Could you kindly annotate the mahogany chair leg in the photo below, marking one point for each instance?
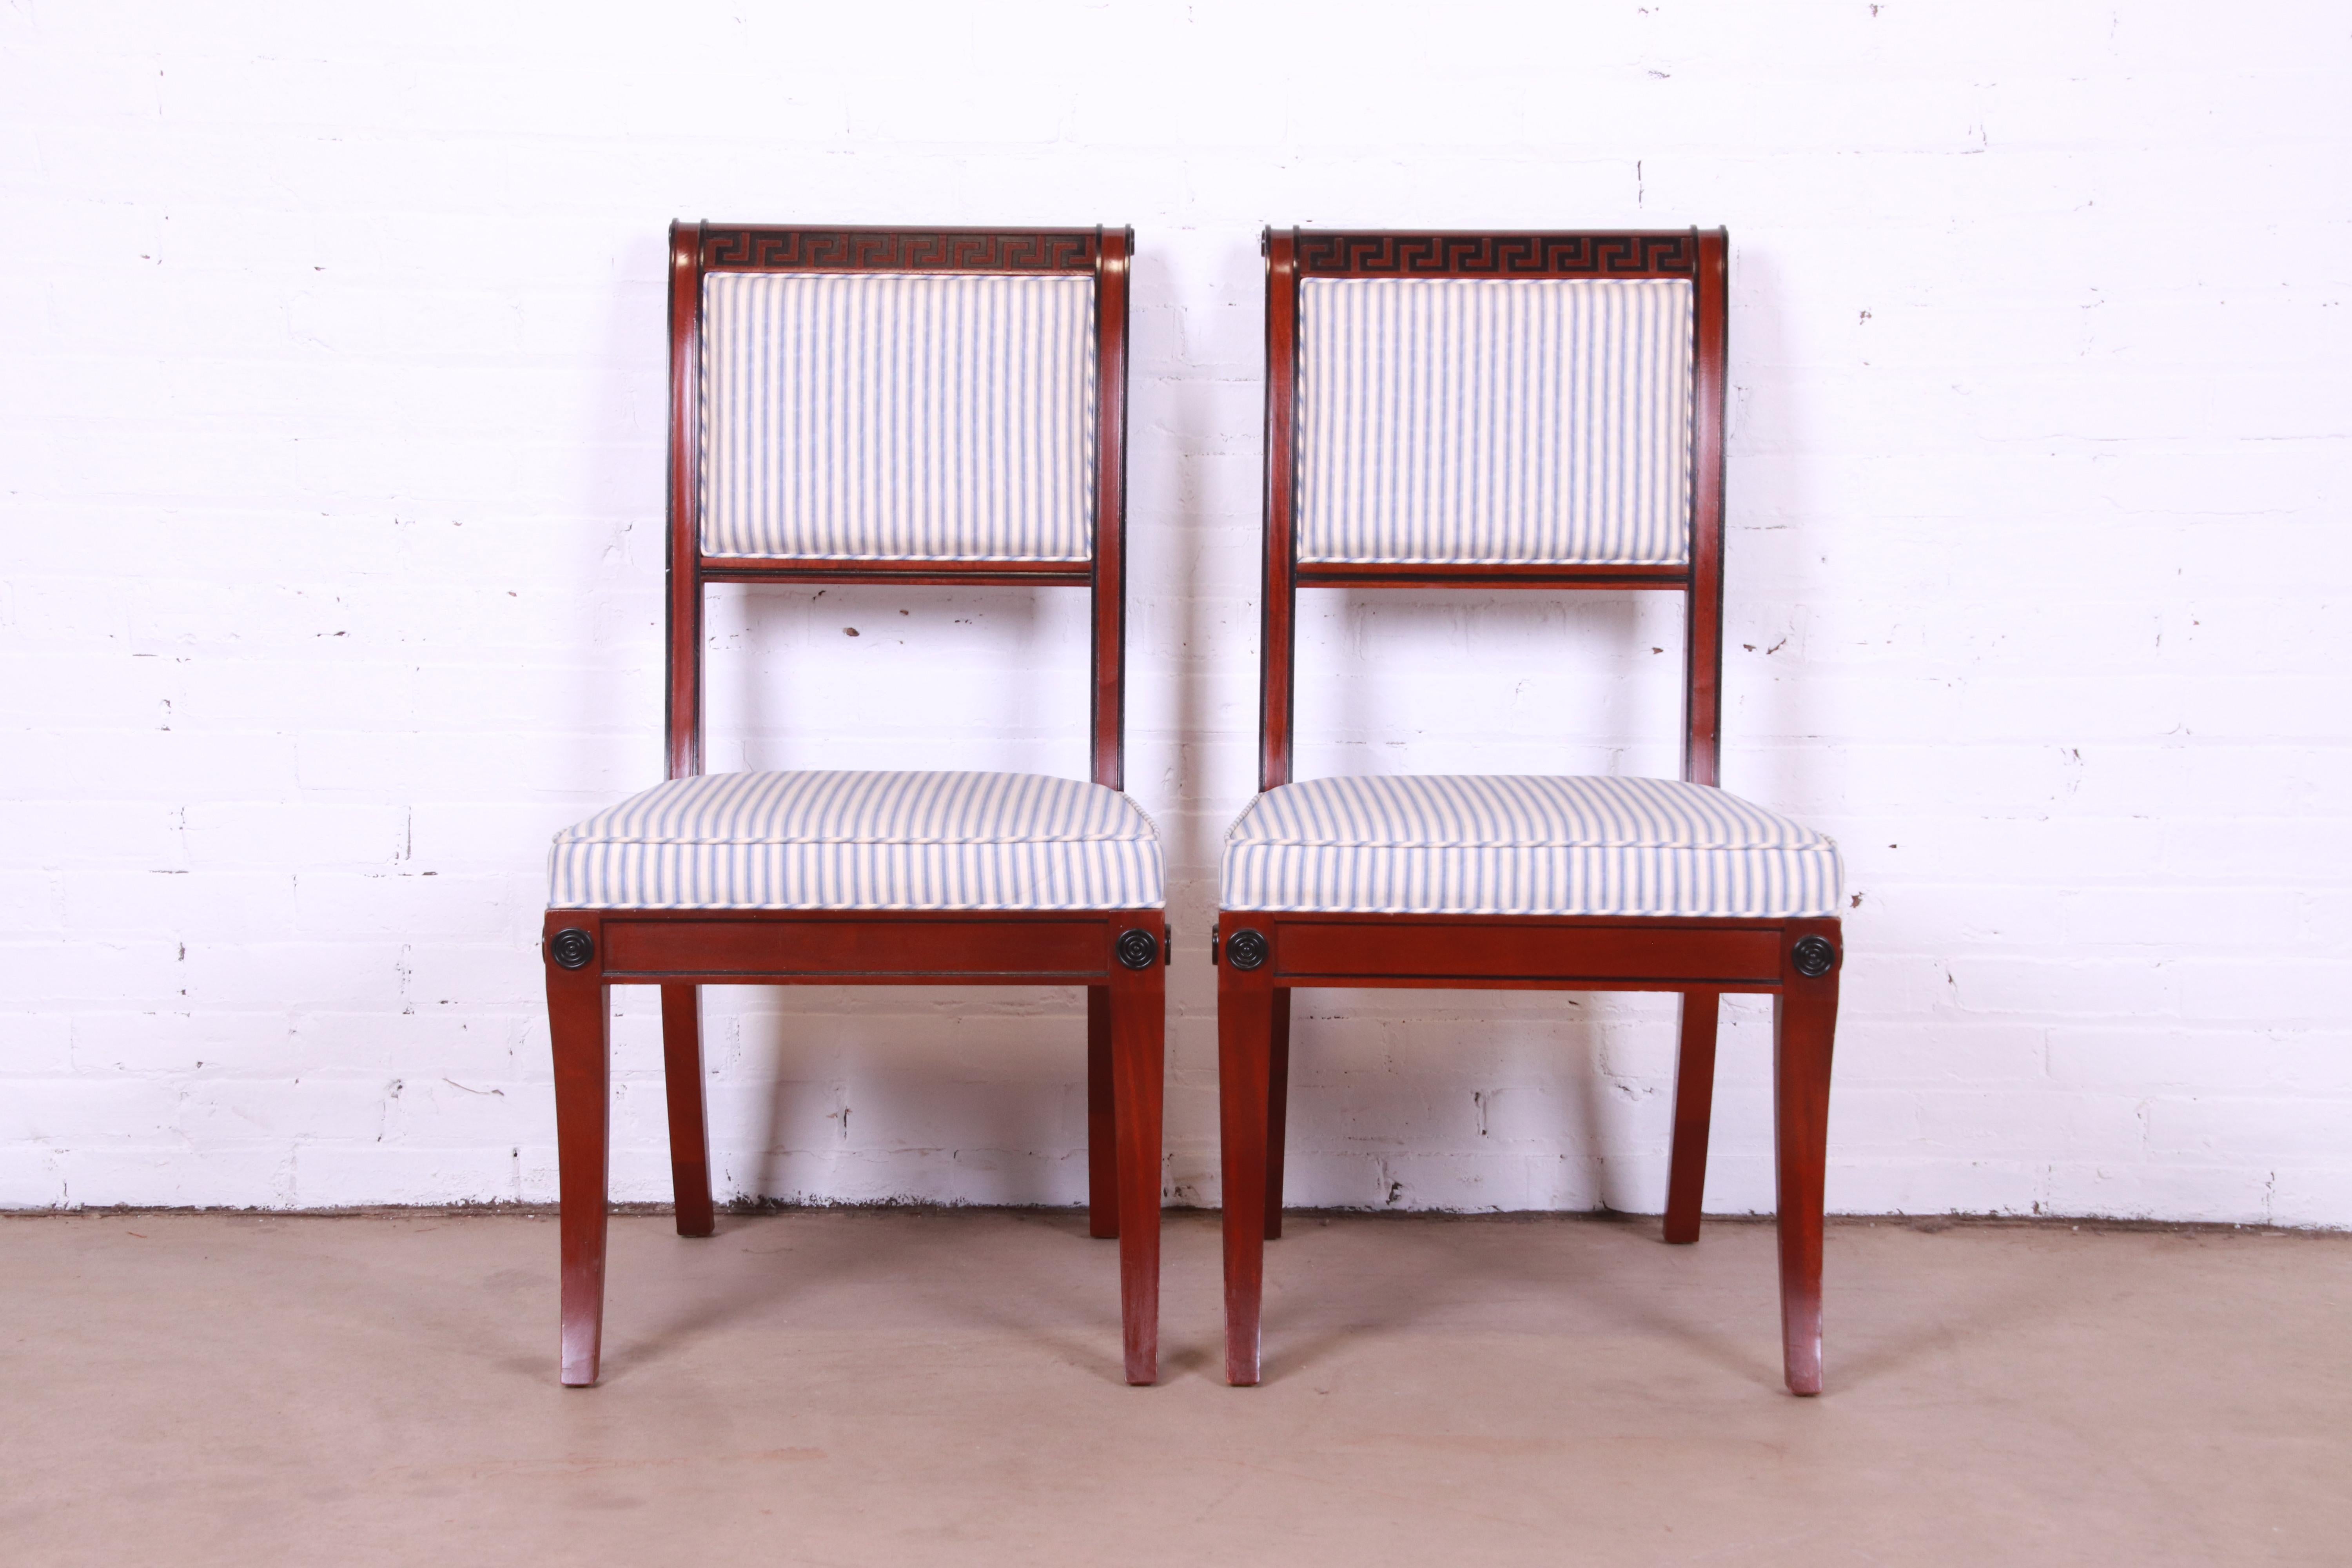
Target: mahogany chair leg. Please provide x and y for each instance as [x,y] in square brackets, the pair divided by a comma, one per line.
[1804,1026]
[579,1020]
[690,1131]
[1102,1125]
[1277,1108]
[1137,1000]
[1694,1108]
[1245,1015]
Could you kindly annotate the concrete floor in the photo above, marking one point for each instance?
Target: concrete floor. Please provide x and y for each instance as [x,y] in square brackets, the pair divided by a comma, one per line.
[863,1386]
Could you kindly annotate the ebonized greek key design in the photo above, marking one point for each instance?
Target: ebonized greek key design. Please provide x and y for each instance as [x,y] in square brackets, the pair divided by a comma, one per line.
[572,947]
[1245,949]
[1814,957]
[899,250]
[1498,254]
[1137,950]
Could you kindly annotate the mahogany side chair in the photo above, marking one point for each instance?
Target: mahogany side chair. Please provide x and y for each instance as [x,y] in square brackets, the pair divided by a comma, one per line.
[1489,411]
[878,405]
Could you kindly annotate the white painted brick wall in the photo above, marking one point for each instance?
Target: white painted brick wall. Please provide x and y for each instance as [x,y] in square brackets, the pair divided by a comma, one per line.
[331,454]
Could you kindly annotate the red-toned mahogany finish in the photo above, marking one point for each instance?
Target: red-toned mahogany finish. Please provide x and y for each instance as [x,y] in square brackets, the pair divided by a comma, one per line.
[1278,604]
[698,249]
[1700,959]
[590,950]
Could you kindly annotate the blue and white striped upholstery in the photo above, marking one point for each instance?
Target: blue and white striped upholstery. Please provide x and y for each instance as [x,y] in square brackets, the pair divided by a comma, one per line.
[1458,844]
[862,841]
[1529,421]
[890,417]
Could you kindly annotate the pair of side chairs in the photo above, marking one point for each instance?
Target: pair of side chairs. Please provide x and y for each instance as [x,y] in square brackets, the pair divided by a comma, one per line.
[1480,411]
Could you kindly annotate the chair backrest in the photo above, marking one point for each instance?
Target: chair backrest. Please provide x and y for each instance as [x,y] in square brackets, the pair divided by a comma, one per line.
[1495,411]
[897,405]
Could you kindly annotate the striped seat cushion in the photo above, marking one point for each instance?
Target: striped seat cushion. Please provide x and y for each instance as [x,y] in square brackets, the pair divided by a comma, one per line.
[883,416]
[862,841]
[1523,845]
[1468,420]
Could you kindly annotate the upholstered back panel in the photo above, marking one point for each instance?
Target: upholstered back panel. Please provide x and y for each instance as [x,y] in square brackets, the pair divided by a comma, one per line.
[868,416]
[1528,421]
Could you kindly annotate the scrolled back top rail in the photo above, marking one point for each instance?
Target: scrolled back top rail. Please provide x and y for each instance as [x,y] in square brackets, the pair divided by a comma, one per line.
[899,249]
[1641,254]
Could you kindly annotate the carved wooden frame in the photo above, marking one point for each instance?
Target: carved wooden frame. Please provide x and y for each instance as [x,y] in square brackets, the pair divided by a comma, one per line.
[1794,961]
[1118,956]
[696,249]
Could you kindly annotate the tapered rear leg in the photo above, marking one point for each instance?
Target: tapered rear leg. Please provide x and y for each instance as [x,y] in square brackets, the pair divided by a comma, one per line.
[1804,1029]
[1694,1108]
[579,1022]
[1102,1125]
[1138,1004]
[1244,1048]
[1277,1108]
[689,1134]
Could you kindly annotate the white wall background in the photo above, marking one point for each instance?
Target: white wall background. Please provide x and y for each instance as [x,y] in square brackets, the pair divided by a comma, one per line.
[331,371]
